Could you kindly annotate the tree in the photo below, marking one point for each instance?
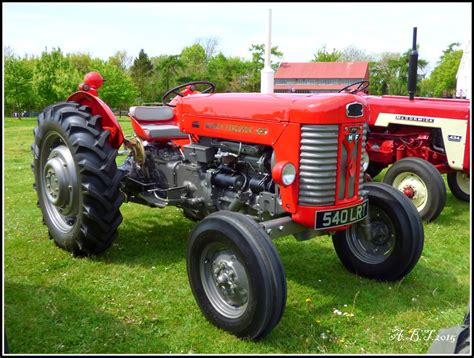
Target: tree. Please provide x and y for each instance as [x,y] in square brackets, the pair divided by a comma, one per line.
[19,94]
[322,55]
[167,68]
[81,61]
[353,53]
[442,81]
[121,60]
[141,72]
[55,77]
[258,53]
[194,63]
[229,74]
[210,46]
[258,62]
[118,90]
[389,74]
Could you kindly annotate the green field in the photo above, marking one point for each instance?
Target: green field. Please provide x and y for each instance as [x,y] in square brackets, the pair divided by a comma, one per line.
[135,298]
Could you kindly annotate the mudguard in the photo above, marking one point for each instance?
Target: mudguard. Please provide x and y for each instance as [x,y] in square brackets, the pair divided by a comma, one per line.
[99,107]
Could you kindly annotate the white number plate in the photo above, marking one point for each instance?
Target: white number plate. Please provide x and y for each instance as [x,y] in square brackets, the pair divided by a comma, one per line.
[333,218]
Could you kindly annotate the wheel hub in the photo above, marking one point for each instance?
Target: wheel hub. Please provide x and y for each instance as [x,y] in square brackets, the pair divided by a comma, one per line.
[413,187]
[463,182]
[59,180]
[227,282]
[409,192]
[380,233]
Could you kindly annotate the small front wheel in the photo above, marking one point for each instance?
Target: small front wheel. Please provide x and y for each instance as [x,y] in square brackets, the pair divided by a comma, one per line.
[396,237]
[236,275]
[459,184]
[421,182]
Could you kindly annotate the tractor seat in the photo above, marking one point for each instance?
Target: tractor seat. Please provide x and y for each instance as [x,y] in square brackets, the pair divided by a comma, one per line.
[157,113]
[152,113]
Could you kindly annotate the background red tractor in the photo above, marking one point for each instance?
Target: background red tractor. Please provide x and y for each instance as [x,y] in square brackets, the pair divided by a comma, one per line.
[419,139]
[252,167]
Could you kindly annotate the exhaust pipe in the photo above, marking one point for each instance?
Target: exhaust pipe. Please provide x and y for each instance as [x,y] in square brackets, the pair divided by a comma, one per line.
[412,68]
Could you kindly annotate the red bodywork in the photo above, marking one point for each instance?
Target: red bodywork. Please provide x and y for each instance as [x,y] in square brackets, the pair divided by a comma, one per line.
[386,145]
[273,120]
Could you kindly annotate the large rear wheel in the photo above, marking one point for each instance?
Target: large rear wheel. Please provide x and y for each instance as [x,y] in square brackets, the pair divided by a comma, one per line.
[236,275]
[396,237]
[421,182]
[76,179]
[460,185]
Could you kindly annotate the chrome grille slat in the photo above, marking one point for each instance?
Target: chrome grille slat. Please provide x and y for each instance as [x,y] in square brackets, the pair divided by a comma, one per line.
[318,164]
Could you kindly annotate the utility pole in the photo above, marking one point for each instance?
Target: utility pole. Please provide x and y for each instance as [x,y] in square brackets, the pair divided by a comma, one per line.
[267,74]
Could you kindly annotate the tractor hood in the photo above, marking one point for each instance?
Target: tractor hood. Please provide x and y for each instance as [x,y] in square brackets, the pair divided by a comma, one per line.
[294,108]
[419,107]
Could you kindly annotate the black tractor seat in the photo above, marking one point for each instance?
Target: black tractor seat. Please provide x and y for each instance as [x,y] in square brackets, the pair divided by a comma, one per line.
[154,114]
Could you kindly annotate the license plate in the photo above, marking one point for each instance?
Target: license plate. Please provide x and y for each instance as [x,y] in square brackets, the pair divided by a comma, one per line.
[328,219]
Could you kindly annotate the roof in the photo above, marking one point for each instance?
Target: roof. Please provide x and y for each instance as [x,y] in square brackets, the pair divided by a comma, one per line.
[357,69]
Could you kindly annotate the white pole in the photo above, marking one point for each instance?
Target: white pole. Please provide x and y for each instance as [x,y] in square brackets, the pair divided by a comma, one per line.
[267,74]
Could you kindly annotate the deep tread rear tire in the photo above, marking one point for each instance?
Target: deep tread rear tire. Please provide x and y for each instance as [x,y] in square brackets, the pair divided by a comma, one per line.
[255,250]
[98,216]
[431,180]
[408,236]
[455,188]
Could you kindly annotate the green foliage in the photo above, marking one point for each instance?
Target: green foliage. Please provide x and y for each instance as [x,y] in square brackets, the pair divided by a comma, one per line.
[442,81]
[55,78]
[258,62]
[141,71]
[19,94]
[322,55]
[389,75]
[118,90]
[32,83]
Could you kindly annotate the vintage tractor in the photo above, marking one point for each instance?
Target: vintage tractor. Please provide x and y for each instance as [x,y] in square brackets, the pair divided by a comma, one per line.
[252,167]
[420,139]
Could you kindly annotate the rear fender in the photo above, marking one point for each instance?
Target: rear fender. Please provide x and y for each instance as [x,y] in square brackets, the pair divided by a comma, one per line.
[99,107]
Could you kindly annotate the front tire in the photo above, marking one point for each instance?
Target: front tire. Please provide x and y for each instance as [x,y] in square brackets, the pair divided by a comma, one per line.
[421,182]
[236,275]
[459,184]
[396,239]
[76,179]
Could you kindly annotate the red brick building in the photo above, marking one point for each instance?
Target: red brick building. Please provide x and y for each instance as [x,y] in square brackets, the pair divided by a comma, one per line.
[317,77]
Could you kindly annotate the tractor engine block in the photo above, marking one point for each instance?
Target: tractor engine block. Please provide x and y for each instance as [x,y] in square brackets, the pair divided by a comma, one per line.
[206,176]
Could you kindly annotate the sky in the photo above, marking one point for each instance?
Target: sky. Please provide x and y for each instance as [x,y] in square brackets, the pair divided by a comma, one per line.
[298,29]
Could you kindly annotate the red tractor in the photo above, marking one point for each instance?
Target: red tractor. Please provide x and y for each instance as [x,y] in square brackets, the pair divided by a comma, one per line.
[420,139]
[251,167]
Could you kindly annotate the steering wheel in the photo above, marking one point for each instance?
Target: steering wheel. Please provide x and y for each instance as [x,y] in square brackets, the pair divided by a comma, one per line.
[362,85]
[176,90]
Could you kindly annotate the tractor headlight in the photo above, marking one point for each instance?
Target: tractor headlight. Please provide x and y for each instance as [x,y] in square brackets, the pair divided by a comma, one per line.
[284,173]
[365,161]
[288,174]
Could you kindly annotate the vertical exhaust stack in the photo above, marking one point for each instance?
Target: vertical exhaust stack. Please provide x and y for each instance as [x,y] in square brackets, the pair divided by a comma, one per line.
[267,74]
[412,68]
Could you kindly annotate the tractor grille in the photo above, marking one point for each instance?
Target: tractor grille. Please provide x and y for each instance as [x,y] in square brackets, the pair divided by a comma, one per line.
[318,164]
[319,168]
[364,152]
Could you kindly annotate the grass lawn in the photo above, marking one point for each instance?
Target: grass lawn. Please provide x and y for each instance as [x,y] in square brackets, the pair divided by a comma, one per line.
[135,298]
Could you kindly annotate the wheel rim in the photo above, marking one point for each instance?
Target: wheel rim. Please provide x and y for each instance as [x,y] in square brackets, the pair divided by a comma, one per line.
[413,187]
[59,182]
[225,280]
[463,182]
[380,245]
